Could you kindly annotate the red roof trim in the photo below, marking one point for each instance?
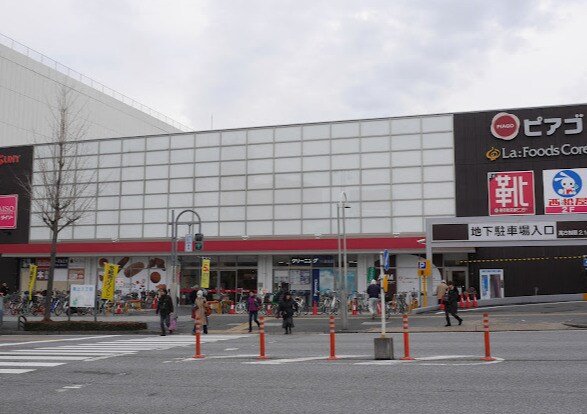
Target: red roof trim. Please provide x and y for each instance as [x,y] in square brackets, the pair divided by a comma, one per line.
[215,246]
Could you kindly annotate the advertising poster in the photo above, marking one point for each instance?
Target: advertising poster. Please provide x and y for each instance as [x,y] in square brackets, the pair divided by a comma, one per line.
[511,193]
[564,191]
[82,296]
[76,275]
[137,273]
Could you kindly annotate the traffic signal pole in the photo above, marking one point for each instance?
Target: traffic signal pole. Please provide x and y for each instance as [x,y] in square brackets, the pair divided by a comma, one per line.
[175,279]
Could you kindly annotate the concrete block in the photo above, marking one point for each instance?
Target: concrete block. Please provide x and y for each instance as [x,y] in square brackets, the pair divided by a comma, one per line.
[383,348]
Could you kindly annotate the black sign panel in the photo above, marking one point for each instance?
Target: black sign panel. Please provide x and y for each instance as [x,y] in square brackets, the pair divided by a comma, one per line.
[16,165]
[531,139]
[571,230]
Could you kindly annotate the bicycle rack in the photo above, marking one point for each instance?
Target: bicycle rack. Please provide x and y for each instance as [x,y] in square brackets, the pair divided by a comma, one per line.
[22,320]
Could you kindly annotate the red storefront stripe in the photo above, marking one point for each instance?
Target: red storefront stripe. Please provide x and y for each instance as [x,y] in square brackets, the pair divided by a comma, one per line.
[215,246]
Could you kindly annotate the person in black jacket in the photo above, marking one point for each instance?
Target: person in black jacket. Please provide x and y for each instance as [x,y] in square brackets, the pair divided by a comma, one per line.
[451,303]
[287,308]
[164,309]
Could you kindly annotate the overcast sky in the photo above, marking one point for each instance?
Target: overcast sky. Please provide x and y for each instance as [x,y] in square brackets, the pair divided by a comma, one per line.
[272,62]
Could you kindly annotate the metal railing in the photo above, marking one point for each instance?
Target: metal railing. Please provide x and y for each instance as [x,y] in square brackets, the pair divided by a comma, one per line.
[47,61]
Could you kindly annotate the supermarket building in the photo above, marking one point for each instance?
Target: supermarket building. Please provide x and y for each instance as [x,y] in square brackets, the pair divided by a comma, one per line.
[504,206]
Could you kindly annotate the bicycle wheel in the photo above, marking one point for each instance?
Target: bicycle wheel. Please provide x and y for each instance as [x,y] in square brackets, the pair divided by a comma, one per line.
[58,309]
[241,307]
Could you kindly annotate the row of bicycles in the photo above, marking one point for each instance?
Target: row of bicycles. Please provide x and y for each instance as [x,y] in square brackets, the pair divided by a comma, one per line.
[329,304]
[19,303]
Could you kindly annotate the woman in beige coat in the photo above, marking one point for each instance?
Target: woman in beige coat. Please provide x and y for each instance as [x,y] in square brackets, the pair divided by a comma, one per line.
[200,307]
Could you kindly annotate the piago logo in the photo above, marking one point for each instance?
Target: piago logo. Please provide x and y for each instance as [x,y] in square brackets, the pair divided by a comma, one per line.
[505,126]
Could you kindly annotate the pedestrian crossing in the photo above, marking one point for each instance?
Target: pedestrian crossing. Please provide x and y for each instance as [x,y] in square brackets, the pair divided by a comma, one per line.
[26,360]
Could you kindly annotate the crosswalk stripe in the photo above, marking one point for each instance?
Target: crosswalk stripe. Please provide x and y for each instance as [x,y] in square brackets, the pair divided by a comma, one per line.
[94,349]
[30,364]
[14,371]
[44,357]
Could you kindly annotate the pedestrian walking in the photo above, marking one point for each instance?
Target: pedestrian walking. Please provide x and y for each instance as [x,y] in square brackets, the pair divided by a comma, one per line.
[201,310]
[441,289]
[451,303]
[373,291]
[287,308]
[164,309]
[193,294]
[253,305]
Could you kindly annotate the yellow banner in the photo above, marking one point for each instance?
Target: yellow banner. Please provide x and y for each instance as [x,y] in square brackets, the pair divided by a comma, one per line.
[205,273]
[109,282]
[33,277]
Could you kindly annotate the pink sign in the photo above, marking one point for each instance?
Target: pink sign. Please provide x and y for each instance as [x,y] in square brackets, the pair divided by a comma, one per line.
[8,211]
[511,193]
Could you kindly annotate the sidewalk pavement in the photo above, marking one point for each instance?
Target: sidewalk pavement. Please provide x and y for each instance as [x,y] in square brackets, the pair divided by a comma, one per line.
[429,321]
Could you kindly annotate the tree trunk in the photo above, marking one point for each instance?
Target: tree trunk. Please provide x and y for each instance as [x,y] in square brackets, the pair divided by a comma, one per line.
[49,296]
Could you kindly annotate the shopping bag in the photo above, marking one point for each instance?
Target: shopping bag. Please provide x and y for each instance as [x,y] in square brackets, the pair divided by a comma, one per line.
[173,323]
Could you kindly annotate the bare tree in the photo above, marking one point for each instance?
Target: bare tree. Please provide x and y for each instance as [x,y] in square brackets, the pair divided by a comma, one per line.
[59,193]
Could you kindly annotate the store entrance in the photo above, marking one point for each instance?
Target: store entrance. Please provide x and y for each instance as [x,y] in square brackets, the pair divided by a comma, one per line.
[236,282]
[457,275]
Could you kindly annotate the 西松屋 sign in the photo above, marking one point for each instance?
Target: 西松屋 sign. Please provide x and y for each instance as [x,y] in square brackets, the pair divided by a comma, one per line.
[565,191]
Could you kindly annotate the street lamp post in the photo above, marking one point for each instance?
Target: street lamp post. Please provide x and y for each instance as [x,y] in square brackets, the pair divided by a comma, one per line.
[174,255]
[342,259]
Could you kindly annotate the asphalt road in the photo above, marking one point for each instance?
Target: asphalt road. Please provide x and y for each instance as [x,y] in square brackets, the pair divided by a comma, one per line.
[534,372]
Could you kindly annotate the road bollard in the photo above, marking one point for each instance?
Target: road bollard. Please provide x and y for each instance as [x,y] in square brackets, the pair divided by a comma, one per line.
[198,345]
[315,310]
[407,356]
[332,340]
[488,356]
[262,338]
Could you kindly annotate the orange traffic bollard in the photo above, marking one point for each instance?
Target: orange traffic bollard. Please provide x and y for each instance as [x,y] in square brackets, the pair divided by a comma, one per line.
[198,350]
[488,356]
[262,338]
[475,304]
[332,340]
[461,302]
[407,356]
[354,306]
[468,303]
[232,312]
[315,310]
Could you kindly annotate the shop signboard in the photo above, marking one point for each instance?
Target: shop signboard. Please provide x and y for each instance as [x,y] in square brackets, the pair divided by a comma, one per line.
[511,193]
[8,211]
[82,296]
[565,191]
